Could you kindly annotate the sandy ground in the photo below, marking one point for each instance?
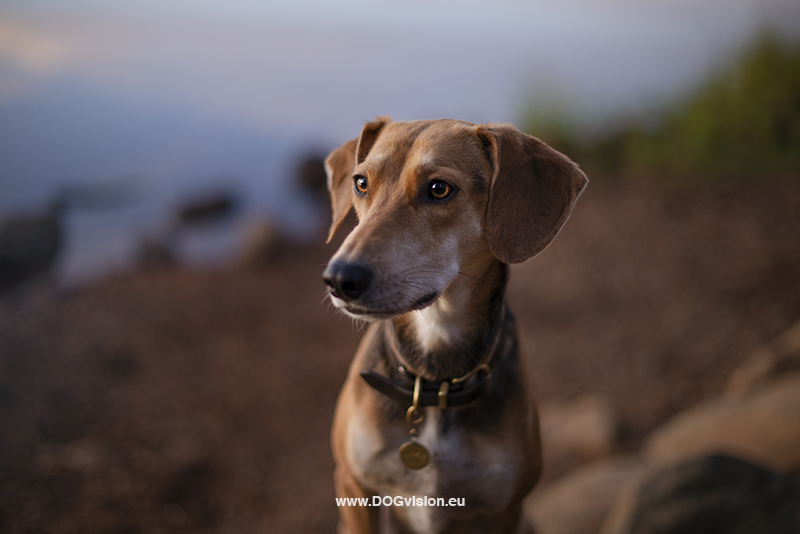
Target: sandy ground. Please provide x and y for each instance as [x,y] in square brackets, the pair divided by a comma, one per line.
[174,401]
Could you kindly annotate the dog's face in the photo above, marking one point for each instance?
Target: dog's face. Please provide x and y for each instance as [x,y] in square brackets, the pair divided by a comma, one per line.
[435,198]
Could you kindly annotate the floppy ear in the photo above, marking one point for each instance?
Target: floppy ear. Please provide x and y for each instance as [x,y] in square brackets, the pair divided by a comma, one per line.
[368,136]
[339,166]
[532,192]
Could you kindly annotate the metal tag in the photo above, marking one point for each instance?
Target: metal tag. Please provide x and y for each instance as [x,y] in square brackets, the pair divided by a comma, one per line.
[413,455]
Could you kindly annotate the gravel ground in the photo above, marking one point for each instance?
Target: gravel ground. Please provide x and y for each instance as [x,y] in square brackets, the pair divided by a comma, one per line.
[177,401]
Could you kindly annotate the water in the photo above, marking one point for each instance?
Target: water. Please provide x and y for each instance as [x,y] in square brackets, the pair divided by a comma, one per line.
[186,96]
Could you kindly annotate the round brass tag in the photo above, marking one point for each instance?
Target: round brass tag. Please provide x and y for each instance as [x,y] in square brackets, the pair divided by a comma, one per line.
[413,455]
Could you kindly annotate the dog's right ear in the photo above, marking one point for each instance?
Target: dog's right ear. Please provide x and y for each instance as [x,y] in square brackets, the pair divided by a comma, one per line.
[339,165]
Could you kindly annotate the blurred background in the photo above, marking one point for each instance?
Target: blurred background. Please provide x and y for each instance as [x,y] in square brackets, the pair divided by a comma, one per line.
[167,361]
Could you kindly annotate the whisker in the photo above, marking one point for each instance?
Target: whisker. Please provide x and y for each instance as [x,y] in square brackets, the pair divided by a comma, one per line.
[475,293]
[469,276]
[342,146]
[422,312]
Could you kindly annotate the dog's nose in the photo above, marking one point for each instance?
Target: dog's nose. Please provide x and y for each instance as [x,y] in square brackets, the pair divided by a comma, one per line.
[347,280]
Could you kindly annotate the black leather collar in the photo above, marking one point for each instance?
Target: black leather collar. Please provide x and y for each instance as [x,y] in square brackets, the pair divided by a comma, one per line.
[445,394]
[457,394]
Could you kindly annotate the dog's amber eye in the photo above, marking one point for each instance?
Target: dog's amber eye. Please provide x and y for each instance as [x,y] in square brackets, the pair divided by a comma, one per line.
[439,190]
[361,185]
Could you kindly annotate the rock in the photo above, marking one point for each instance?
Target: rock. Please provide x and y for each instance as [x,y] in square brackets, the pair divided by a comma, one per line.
[312,177]
[209,208]
[263,244]
[710,494]
[585,427]
[579,502]
[153,254]
[780,356]
[29,246]
[762,426]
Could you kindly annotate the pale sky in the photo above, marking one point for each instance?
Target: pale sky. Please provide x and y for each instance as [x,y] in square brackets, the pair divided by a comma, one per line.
[180,92]
[311,64]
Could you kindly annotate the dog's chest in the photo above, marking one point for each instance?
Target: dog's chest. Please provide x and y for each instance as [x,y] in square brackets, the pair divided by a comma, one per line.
[480,470]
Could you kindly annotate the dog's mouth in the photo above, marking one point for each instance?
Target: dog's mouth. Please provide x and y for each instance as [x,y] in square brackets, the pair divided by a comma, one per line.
[366,312]
[425,301]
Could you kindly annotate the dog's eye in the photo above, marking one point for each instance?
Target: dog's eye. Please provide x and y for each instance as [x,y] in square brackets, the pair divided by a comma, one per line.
[361,184]
[439,190]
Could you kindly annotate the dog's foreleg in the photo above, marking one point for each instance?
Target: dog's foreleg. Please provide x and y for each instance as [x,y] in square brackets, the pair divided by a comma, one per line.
[355,518]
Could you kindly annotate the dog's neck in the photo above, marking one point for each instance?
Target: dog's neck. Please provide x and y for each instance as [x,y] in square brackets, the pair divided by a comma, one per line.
[451,336]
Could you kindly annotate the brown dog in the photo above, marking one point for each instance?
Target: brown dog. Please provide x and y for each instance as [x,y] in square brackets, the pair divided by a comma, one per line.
[435,404]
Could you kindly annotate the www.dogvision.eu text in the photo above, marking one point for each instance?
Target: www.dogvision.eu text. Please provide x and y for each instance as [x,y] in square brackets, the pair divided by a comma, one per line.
[388,500]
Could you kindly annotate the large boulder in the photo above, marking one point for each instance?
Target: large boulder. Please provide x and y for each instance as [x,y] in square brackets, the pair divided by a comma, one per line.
[713,495]
[579,502]
[779,357]
[762,426]
[583,428]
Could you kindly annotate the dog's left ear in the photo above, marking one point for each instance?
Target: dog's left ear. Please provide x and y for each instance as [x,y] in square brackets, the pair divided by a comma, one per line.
[532,192]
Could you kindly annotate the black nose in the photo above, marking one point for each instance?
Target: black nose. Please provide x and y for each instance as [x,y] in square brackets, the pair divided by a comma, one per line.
[347,280]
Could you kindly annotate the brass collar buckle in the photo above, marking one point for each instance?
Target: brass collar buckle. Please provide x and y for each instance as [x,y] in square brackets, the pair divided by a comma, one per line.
[415,416]
[444,387]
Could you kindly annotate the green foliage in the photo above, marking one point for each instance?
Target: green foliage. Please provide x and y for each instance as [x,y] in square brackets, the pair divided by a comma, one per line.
[743,122]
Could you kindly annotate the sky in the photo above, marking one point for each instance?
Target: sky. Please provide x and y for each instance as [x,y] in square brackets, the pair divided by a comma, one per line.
[180,93]
[311,65]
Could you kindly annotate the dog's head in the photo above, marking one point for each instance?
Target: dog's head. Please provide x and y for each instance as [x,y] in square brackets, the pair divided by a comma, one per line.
[434,198]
